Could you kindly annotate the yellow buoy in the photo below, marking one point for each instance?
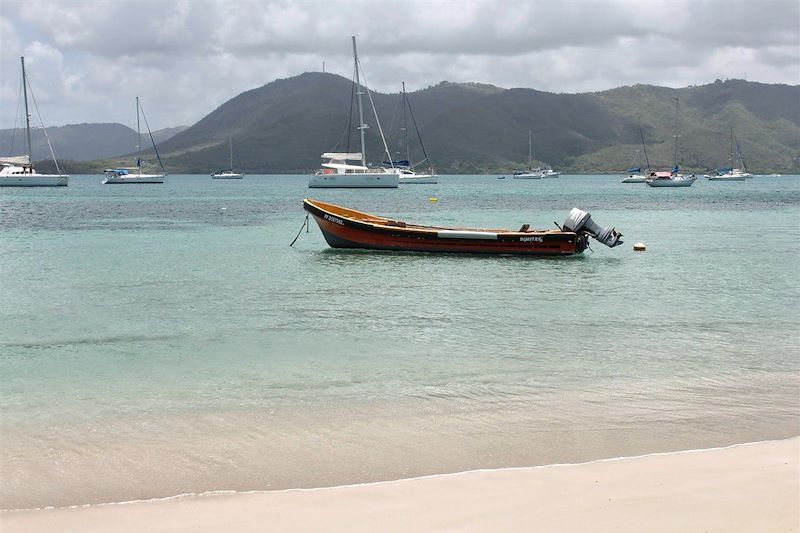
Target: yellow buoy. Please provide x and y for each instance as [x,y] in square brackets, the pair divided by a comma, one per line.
[639,247]
[433,199]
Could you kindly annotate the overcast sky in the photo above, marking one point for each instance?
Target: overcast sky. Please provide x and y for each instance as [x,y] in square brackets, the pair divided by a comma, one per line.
[87,60]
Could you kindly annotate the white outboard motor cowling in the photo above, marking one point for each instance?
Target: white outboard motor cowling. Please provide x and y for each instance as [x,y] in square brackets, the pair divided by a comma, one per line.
[579,220]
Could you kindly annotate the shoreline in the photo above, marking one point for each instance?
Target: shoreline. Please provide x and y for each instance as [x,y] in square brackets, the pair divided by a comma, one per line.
[233,492]
[735,478]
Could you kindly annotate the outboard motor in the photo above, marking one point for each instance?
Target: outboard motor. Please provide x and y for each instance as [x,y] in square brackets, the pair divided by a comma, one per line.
[579,220]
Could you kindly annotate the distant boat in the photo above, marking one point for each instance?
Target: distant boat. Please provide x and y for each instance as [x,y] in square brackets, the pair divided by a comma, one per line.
[339,172]
[731,173]
[408,173]
[133,175]
[347,228]
[18,171]
[672,178]
[228,174]
[529,174]
[534,173]
[548,172]
[635,174]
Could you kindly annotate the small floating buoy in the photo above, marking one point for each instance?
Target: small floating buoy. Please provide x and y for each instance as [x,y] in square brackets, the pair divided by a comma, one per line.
[639,247]
[433,199]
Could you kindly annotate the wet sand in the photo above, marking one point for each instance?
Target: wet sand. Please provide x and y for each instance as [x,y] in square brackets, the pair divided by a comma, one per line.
[749,487]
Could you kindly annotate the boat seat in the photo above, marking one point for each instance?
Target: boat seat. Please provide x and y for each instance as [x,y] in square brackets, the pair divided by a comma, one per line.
[525,227]
[396,223]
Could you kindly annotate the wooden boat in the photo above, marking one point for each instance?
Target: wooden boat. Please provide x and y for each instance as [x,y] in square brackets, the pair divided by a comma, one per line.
[347,228]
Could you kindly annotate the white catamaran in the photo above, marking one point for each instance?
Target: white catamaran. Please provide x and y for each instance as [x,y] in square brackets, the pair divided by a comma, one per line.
[18,171]
[135,174]
[228,174]
[339,171]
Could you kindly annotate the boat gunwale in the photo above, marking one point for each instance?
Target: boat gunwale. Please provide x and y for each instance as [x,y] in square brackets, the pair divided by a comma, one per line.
[379,223]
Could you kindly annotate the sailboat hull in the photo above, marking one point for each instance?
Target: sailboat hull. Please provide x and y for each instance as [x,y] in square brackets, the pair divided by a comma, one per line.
[726,178]
[34,180]
[365,180]
[421,179]
[633,178]
[134,178]
[680,182]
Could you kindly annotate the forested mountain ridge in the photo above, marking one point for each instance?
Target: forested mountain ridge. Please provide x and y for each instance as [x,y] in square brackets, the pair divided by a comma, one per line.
[284,126]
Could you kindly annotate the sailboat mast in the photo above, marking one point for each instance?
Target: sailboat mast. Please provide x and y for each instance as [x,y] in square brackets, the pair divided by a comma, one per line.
[230,144]
[677,132]
[138,139]
[27,114]
[739,152]
[361,126]
[644,147]
[405,124]
[731,147]
[530,150]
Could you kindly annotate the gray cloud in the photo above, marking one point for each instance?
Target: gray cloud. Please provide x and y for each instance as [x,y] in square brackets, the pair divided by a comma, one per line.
[88,59]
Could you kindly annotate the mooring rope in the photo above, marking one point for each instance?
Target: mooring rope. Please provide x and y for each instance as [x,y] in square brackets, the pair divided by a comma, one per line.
[305,225]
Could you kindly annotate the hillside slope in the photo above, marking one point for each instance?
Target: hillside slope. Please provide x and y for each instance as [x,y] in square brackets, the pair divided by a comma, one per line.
[284,126]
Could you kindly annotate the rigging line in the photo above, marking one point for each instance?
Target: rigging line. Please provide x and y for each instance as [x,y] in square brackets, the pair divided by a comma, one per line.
[151,137]
[419,136]
[644,147]
[350,114]
[393,126]
[374,112]
[16,117]
[36,106]
[305,225]
[405,124]
[741,156]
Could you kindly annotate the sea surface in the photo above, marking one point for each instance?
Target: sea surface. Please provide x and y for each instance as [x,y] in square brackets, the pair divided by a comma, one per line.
[166,339]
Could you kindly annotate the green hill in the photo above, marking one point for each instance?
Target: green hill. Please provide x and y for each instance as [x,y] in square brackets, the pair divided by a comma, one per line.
[283,127]
[79,142]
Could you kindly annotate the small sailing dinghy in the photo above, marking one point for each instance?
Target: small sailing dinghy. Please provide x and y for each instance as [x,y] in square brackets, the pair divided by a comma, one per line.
[347,228]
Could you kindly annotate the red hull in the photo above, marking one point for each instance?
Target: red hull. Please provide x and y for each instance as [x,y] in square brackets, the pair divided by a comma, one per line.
[345,228]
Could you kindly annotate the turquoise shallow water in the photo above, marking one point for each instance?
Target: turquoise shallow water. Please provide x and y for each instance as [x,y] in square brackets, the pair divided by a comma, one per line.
[166,339]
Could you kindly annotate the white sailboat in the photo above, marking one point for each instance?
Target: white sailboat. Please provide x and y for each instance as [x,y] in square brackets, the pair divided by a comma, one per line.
[635,174]
[228,174]
[732,173]
[534,173]
[134,174]
[18,171]
[339,172]
[672,178]
[408,173]
[529,174]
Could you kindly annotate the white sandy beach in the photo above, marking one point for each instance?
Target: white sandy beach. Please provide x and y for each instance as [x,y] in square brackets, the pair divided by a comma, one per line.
[749,487]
